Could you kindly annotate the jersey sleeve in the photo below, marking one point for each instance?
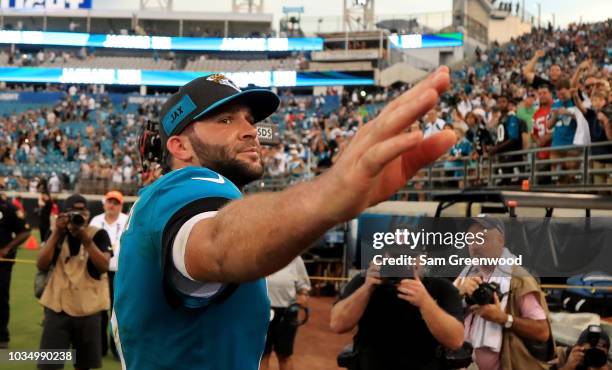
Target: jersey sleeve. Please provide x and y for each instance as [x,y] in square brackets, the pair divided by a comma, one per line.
[193,196]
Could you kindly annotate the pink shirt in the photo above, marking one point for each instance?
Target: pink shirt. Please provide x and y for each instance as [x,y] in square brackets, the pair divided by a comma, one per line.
[488,360]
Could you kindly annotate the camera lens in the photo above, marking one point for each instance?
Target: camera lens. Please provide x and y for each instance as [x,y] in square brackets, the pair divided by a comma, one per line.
[594,357]
[77,219]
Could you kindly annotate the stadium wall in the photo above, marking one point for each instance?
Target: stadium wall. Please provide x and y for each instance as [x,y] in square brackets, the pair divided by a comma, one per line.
[502,30]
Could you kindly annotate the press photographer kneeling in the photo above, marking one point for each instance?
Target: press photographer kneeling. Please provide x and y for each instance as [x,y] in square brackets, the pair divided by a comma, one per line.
[403,323]
[507,322]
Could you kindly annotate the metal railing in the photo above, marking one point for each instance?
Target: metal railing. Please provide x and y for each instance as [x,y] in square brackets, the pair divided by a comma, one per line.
[506,170]
[574,173]
[101,186]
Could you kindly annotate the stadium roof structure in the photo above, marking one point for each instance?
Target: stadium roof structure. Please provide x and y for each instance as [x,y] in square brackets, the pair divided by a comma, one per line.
[507,201]
[140,14]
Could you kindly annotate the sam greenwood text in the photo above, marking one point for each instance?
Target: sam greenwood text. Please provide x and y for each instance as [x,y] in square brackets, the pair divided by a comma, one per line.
[452,260]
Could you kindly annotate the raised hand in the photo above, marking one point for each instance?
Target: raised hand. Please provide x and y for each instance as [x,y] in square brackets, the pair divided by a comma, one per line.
[383,156]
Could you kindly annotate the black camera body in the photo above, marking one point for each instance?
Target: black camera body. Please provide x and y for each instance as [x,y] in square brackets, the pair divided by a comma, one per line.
[594,357]
[76,219]
[484,294]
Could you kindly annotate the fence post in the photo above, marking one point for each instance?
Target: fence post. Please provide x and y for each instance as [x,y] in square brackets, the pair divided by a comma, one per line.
[533,180]
[490,181]
[585,165]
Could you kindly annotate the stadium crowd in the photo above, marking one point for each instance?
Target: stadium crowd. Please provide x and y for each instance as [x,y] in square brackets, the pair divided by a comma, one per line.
[512,97]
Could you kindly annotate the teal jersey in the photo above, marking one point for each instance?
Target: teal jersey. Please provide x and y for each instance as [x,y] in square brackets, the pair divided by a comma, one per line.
[163,320]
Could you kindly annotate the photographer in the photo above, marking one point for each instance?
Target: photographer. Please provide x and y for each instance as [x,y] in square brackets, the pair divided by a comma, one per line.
[401,326]
[76,257]
[589,353]
[508,317]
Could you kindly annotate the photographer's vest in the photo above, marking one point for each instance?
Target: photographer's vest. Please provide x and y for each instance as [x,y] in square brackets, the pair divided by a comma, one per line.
[70,287]
[514,352]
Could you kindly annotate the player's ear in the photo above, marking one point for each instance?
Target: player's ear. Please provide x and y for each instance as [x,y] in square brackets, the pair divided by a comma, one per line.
[179,148]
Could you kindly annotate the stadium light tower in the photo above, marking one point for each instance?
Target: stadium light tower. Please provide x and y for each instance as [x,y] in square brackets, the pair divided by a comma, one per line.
[247,6]
[358,15]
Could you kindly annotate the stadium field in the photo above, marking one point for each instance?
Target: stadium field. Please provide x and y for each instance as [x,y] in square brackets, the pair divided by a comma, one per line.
[27,314]
[316,346]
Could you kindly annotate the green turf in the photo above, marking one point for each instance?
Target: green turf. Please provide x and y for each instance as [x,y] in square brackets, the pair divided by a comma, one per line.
[26,313]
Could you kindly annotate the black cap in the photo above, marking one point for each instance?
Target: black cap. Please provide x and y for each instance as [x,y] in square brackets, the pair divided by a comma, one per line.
[205,94]
[73,199]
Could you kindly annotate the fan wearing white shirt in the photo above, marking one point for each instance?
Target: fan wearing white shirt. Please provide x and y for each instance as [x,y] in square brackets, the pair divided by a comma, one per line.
[432,123]
[113,221]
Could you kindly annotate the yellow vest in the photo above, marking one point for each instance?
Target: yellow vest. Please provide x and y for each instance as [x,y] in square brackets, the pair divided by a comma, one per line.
[70,287]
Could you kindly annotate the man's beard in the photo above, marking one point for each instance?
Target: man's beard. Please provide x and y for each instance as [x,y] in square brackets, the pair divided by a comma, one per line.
[219,159]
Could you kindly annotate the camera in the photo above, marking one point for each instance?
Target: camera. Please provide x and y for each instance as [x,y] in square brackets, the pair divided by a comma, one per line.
[390,276]
[594,357]
[484,294]
[76,219]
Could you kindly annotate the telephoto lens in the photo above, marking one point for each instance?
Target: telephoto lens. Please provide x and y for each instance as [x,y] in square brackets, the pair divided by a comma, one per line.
[594,357]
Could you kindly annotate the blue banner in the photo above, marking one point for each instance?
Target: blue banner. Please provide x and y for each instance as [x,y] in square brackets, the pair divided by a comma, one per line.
[176,78]
[160,42]
[418,41]
[46,4]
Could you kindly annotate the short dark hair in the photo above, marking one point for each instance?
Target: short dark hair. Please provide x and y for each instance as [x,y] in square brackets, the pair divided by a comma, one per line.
[167,161]
[564,83]
[545,85]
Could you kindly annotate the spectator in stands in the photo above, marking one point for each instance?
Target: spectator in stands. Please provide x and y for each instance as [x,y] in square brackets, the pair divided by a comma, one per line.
[459,155]
[526,109]
[541,135]
[54,183]
[286,288]
[112,221]
[563,124]
[478,134]
[295,164]
[504,333]
[554,72]
[432,123]
[14,230]
[600,129]
[511,136]
[77,289]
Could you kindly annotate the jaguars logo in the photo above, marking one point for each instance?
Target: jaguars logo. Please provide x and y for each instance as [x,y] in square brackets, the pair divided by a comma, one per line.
[221,79]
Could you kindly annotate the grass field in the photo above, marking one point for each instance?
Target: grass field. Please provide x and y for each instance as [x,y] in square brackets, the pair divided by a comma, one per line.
[27,314]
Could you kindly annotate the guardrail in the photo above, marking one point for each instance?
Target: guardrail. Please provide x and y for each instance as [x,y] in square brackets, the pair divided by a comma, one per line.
[569,168]
[580,172]
[502,171]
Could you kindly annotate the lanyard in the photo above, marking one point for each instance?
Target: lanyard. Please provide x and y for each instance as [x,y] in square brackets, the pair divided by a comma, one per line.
[116,236]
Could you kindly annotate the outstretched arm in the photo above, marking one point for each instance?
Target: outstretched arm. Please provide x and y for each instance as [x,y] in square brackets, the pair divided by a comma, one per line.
[529,69]
[257,235]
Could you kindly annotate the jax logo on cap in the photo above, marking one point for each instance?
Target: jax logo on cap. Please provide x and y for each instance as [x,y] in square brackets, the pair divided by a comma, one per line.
[221,79]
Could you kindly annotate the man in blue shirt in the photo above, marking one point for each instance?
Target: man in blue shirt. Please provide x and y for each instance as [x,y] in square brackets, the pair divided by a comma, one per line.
[563,124]
[189,290]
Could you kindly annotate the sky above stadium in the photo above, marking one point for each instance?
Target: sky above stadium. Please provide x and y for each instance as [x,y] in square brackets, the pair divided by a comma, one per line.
[566,11]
